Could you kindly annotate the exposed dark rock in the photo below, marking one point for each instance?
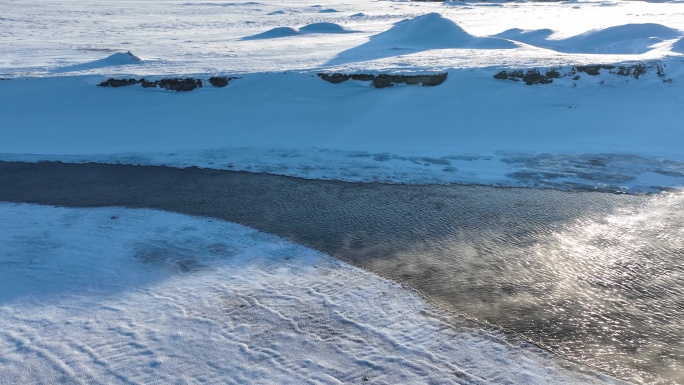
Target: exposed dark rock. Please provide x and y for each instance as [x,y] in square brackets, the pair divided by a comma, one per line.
[534,77]
[660,71]
[146,84]
[220,81]
[363,77]
[515,75]
[334,78]
[385,80]
[172,84]
[638,70]
[635,71]
[177,84]
[553,74]
[502,75]
[624,71]
[118,82]
[593,70]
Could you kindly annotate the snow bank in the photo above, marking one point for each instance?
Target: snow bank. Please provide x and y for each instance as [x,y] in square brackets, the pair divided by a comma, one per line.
[472,128]
[628,39]
[114,60]
[120,296]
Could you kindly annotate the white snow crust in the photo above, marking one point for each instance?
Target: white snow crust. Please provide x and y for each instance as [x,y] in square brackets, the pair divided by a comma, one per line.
[123,296]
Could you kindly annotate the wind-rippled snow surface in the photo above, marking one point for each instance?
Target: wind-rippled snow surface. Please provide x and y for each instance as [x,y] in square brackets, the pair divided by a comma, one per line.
[121,296]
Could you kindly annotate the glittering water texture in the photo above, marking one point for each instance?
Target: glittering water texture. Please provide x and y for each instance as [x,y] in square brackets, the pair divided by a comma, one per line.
[595,277]
[605,289]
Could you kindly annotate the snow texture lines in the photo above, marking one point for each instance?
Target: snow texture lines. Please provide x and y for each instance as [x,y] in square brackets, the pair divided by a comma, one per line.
[271,312]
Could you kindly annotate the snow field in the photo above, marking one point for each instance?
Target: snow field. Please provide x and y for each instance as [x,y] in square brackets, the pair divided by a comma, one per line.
[179,36]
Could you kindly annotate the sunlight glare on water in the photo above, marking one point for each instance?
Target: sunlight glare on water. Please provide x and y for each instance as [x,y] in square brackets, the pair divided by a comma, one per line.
[604,290]
[623,276]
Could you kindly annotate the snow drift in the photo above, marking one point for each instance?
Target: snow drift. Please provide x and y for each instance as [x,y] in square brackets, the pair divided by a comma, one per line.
[433,31]
[624,39]
[274,33]
[425,32]
[323,28]
[289,31]
[115,60]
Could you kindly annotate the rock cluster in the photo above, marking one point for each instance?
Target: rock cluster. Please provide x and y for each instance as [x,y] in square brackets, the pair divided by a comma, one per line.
[171,84]
[386,80]
[535,76]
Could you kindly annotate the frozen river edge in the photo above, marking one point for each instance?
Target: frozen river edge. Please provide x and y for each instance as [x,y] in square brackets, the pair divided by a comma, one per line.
[324,215]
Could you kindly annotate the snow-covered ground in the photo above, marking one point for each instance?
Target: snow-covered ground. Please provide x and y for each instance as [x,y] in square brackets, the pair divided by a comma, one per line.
[625,134]
[605,131]
[114,295]
[207,36]
[122,296]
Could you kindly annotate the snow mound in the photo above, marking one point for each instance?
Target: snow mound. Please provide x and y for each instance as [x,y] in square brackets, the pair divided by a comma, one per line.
[422,33]
[526,36]
[289,31]
[323,28]
[432,30]
[678,46]
[114,60]
[624,39]
[274,33]
[120,58]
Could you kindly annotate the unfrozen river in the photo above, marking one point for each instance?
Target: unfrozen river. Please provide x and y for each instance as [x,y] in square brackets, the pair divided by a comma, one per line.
[595,277]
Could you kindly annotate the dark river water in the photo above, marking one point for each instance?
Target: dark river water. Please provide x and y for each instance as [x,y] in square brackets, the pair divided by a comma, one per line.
[596,277]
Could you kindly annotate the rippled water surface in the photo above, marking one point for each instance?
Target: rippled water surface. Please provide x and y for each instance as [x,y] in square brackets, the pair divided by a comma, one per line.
[605,288]
[596,277]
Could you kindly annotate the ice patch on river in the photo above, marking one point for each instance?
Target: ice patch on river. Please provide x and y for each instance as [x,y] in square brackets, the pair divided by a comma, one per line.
[585,172]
